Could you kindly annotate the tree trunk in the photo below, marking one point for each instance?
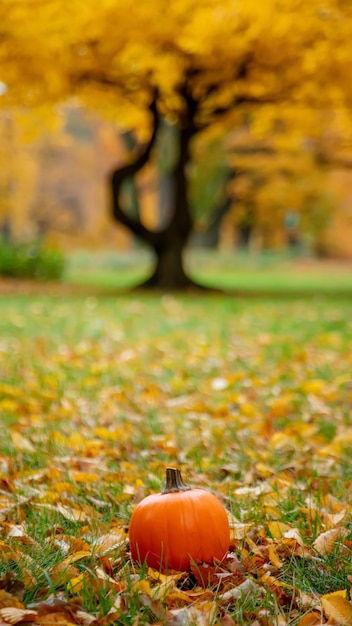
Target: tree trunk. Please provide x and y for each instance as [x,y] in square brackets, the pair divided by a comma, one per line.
[170,242]
[210,237]
[169,271]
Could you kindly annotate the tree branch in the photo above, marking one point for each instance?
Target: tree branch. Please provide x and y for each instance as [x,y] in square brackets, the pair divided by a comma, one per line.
[121,174]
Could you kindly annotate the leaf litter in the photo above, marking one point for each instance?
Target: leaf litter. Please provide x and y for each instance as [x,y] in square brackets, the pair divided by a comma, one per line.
[262,418]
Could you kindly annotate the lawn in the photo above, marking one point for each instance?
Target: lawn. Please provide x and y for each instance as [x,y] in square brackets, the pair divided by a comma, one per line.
[250,397]
[266,273]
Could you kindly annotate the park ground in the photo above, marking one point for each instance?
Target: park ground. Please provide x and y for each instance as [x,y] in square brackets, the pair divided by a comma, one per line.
[249,392]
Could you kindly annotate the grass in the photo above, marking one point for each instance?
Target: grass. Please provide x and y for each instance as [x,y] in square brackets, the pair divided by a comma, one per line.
[249,396]
[267,273]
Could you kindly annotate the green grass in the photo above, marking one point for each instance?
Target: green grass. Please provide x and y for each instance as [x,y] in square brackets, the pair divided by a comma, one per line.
[249,396]
[274,274]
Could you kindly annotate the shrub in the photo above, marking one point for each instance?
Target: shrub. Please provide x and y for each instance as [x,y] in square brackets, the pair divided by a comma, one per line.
[30,260]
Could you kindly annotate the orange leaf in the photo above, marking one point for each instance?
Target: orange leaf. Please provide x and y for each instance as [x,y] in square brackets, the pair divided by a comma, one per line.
[274,557]
[310,619]
[61,572]
[56,618]
[7,599]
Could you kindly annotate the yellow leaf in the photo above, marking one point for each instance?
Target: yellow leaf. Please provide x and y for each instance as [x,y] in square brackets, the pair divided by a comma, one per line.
[77,556]
[84,477]
[340,593]
[314,386]
[277,529]
[77,441]
[8,405]
[274,557]
[264,470]
[143,586]
[21,443]
[163,578]
[337,608]
[61,487]
[78,583]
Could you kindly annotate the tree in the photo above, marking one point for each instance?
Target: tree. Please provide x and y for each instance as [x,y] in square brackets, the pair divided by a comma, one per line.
[193,63]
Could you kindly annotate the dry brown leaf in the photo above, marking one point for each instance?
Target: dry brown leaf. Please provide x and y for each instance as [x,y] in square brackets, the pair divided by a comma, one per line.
[226,620]
[312,618]
[7,599]
[62,573]
[112,617]
[337,608]
[325,542]
[309,602]
[248,587]
[13,615]
[101,578]
[110,541]
[10,583]
[51,605]
[200,614]
[281,589]
[294,534]
[332,519]
[239,530]
[56,618]
[155,606]
[274,558]
[85,618]
[71,514]
[176,597]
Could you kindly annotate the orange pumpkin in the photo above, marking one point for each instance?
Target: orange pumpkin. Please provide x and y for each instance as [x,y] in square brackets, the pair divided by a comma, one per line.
[170,529]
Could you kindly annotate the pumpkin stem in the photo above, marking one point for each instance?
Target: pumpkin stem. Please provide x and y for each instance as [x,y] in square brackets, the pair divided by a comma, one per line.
[174,482]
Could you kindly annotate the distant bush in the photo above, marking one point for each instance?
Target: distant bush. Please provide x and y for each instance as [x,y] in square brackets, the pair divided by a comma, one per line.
[30,260]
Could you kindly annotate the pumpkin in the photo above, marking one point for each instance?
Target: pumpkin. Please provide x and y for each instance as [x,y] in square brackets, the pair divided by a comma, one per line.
[178,526]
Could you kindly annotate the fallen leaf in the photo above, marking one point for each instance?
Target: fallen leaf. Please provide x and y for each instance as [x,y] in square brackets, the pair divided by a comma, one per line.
[110,541]
[13,615]
[21,443]
[247,588]
[325,542]
[201,614]
[313,618]
[337,608]
[8,599]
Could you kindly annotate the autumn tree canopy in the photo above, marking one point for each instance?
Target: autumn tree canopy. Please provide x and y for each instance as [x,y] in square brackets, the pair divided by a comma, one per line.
[194,63]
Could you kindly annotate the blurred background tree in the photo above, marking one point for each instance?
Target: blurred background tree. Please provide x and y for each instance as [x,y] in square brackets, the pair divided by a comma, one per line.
[176,86]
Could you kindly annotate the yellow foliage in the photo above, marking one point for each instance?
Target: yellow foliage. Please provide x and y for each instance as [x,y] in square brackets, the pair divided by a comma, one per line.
[125,49]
